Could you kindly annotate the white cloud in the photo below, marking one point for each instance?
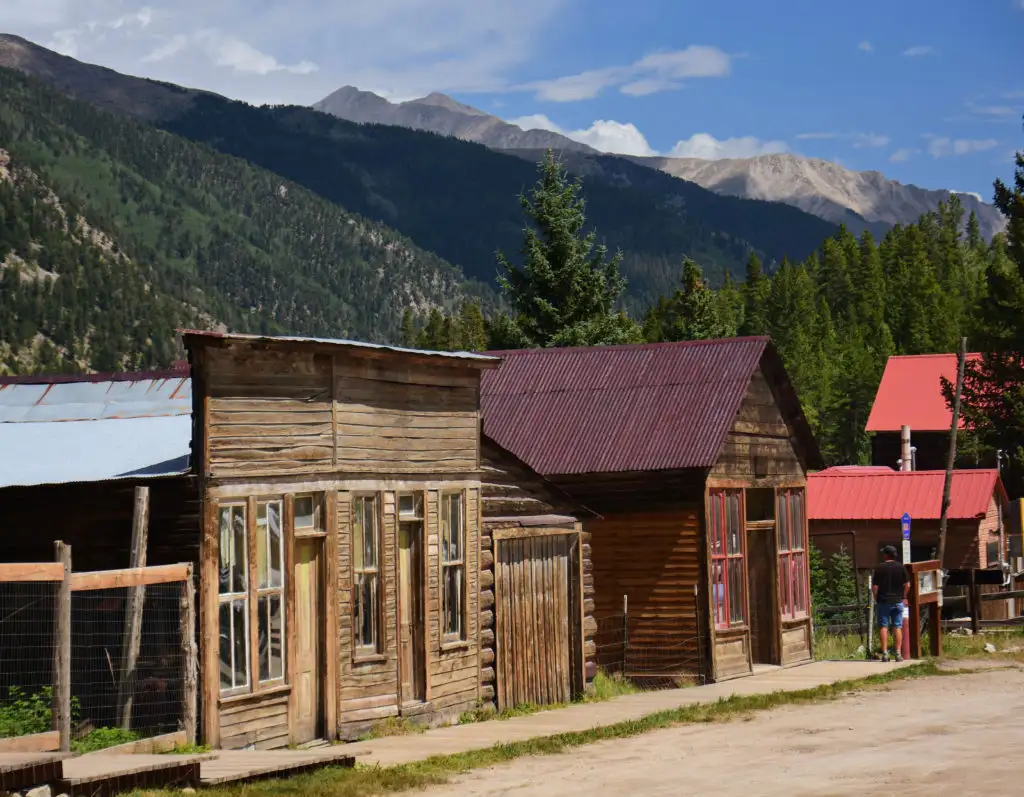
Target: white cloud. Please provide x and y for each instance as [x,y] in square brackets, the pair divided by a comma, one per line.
[903,154]
[859,140]
[706,147]
[621,138]
[974,194]
[919,50]
[943,146]
[866,47]
[266,51]
[655,72]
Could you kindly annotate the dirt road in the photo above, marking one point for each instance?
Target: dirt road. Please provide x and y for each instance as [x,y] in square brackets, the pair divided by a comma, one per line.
[960,735]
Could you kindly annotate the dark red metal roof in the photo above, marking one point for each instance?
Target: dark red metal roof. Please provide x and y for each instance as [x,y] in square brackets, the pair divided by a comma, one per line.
[609,409]
[882,494]
[910,394]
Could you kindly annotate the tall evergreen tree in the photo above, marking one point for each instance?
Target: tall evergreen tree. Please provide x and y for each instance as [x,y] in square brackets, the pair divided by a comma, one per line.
[691,313]
[565,292]
[755,292]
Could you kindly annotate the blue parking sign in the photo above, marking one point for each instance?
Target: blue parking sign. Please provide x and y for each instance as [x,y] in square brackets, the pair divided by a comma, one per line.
[905,524]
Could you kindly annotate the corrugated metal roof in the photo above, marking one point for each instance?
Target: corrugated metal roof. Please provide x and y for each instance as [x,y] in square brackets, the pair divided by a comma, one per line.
[871,494]
[93,451]
[355,344]
[127,426]
[608,409]
[910,394]
[91,400]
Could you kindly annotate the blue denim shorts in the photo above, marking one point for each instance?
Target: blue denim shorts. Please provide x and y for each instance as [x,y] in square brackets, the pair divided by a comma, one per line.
[890,614]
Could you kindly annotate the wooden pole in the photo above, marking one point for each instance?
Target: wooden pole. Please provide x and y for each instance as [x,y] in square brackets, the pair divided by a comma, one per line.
[132,634]
[61,706]
[190,679]
[953,428]
[975,603]
[625,632]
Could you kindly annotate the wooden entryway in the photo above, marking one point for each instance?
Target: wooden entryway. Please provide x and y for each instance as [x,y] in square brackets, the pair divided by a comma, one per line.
[308,664]
[762,590]
[537,618]
[410,612]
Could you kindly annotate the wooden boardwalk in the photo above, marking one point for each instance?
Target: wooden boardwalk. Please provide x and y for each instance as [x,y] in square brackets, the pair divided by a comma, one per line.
[103,774]
[228,766]
[19,770]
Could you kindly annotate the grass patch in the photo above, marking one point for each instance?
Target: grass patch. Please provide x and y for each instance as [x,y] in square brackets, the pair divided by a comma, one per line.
[362,781]
[838,647]
[101,738]
[393,726]
[607,687]
[188,749]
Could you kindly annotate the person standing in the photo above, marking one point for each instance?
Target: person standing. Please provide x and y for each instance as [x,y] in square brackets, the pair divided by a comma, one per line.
[890,589]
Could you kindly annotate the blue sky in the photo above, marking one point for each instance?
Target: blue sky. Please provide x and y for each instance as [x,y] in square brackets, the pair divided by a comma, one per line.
[927,92]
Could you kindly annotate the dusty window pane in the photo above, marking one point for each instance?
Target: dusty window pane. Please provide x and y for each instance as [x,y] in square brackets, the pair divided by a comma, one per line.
[735,573]
[226,666]
[453,601]
[304,512]
[365,613]
[239,565]
[271,637]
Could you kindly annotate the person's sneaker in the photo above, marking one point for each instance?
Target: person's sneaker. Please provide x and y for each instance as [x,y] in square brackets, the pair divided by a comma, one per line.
[885,658]
[899,657]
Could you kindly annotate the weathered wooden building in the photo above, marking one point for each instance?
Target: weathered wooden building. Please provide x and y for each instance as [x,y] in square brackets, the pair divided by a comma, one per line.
[694,455]
[340,535]
[870,502]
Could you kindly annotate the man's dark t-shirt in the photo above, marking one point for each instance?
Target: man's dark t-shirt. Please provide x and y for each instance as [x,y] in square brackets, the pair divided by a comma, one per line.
[890,578]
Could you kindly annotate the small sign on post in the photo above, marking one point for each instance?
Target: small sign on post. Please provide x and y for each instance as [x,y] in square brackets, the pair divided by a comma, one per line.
[905,526]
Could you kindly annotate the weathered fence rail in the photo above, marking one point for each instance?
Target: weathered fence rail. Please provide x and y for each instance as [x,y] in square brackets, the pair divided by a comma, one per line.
[110,653]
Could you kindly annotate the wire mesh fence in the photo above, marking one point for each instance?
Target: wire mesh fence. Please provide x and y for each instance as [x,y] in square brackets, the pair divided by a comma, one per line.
[126,685]
[631,648]
[27,647]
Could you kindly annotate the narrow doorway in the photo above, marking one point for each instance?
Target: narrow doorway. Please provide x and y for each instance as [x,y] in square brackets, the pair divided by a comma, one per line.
[410,599]
[760,515]
[309,619]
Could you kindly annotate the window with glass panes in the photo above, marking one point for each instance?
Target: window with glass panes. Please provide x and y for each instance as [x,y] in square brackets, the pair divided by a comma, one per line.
[270,589]
[233,597]
[728,567]
[366,575]
[793,581]
[453,567]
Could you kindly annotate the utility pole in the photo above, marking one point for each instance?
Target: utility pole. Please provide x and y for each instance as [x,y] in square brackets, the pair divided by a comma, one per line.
[953,429]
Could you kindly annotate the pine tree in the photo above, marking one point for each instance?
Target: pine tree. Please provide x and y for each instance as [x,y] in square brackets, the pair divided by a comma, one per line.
[690,314]
[408,329]
[471,321]
[755,292]
[566,290]
[993,395]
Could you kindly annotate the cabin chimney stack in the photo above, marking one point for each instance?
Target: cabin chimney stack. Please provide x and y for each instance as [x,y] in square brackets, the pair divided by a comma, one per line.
[906,462]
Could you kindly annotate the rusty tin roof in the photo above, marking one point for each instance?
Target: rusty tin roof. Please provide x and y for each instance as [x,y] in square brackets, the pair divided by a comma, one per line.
[659,406]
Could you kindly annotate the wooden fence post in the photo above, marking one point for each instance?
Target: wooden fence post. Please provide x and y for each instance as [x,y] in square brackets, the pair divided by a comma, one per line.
[61,697]
[625,632]
[131,639]
[975,589]
[190,680]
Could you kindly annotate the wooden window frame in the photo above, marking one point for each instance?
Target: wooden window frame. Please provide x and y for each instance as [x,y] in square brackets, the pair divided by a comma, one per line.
[257,592]
[718,531]
[229,598]
[461,639]
[792,585]
[368,653]
[317,529]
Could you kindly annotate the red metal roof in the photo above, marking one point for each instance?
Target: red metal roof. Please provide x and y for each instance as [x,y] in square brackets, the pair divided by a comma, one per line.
[880,494]
[605,409]
[910,394]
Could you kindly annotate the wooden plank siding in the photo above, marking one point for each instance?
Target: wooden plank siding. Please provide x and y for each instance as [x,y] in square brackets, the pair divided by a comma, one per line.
[286,418]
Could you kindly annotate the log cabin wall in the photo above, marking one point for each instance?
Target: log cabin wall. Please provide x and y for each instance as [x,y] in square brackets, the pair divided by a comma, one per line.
[515,497]
[360,431]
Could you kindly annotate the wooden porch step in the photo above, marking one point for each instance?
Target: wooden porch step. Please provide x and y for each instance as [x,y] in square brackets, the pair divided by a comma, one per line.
[232,766]
[21,770]
[104,774]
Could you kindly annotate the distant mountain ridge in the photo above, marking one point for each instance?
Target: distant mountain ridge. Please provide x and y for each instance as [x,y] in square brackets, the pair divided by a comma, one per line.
[857,199]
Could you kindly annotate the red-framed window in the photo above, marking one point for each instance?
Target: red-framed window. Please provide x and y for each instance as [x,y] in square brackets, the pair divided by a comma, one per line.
[728,565]
[793,582]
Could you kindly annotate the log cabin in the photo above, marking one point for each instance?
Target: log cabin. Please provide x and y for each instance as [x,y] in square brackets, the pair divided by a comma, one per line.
[340,536]
[694,456]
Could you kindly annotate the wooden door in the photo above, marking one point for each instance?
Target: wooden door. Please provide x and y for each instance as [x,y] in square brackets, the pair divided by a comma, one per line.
[535,620]
[761,589]
[308,661]
[410,611]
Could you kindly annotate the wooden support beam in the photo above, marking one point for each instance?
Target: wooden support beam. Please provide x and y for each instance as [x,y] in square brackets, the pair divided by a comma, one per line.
[1001,596]
[32,571]
[132,634]
[131,577]
[190,663]
[61,707]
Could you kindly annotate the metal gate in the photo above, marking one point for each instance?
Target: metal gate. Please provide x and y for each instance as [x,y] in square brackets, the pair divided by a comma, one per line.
[537,619]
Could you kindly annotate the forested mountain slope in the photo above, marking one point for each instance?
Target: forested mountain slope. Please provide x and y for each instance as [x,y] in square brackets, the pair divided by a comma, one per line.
[208,236]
